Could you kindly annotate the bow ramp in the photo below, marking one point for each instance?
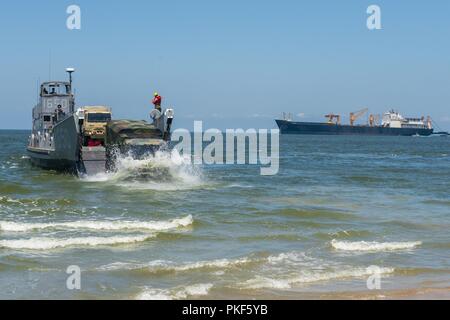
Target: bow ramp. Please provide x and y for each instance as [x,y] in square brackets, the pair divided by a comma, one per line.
[93,160]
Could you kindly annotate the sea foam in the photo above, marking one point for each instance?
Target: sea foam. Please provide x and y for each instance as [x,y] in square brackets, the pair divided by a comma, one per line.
[100,225]
[261,282]
[169,266]
[163,171]
[175,293]
[54,243]
[373,246]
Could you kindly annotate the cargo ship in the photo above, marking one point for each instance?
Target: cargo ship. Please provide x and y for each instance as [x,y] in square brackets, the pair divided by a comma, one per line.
[392,124]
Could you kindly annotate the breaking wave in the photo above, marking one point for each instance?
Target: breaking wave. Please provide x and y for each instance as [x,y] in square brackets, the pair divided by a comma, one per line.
[54,243]
[286,259]
[260,282]
[164,171]
[100,225]
[168,266]
[292,259]
[373,246]
[176,293]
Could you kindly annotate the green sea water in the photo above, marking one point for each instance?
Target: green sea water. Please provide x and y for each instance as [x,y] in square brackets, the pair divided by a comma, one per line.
[338,206]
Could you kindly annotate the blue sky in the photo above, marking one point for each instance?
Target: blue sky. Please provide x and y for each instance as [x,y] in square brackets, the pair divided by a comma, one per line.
[230,63]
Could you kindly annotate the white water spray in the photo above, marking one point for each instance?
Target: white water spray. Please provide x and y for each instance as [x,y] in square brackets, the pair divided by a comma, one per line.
[164,171]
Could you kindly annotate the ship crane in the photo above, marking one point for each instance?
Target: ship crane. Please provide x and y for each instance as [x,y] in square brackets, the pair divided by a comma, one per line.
[356,115]
[374,120]
[331,118]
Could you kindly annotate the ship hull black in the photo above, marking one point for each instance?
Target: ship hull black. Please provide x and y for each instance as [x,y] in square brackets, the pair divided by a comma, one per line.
[316,128]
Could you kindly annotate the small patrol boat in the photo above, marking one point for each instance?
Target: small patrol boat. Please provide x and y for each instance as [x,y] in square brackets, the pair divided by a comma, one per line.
[86,140]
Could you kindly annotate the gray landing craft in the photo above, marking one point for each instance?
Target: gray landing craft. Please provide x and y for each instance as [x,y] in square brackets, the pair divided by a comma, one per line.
[86,140]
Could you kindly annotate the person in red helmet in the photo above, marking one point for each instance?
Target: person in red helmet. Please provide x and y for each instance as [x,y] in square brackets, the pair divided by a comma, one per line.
[157,101]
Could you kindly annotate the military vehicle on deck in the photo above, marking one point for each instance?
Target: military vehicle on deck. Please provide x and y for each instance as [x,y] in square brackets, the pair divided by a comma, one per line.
[95,119]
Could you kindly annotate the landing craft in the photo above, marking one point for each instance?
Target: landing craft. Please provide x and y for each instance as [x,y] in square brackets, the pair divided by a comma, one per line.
[87,140]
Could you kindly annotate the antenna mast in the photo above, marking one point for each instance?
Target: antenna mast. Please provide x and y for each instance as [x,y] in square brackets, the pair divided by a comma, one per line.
[50,66]
[72,104]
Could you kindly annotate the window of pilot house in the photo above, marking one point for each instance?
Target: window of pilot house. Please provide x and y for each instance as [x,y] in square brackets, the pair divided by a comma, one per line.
[55,89]
[47,118]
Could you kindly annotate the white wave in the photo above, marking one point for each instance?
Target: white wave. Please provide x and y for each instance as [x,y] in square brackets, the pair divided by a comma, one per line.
[161,265]
[373,246]
[306,277]
[238,185]
[154,294]
[220,263]
[163,171]
[260,282]
[290,258]
[54,243]
[100,225]
[99,177]
[294,259]
[176,293]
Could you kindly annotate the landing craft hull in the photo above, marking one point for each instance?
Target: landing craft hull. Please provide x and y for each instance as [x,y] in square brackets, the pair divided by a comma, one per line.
[64,154]
[49,161]
[316,128]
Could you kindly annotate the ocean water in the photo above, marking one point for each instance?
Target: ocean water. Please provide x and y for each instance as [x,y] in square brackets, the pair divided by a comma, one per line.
[342,212]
